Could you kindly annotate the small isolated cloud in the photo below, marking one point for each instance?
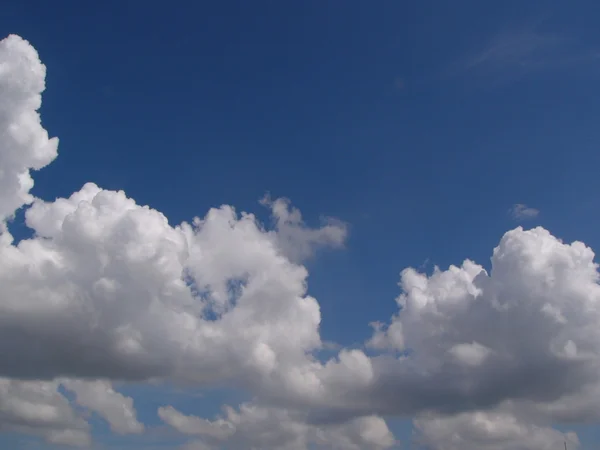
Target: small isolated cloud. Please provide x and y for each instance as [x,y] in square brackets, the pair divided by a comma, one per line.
[521,211]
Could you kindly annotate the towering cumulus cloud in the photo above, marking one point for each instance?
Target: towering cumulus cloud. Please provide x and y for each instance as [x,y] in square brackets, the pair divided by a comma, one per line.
[107,290]
[25,144]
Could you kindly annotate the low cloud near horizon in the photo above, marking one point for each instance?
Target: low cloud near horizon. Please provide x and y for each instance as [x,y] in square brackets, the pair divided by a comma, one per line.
[106,291]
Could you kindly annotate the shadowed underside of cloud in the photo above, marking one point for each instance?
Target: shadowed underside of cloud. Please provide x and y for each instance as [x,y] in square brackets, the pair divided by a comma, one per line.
[107,290]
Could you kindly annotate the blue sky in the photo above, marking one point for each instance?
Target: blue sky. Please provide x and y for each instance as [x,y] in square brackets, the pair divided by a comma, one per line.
[419,124]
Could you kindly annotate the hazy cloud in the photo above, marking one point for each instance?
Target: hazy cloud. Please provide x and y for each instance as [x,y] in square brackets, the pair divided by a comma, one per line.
[521,211]
[512,54]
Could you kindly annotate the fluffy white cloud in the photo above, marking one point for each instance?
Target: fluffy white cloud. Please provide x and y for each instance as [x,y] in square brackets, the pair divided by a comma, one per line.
[24,143]
[256,427]
[527,330]
[108,290]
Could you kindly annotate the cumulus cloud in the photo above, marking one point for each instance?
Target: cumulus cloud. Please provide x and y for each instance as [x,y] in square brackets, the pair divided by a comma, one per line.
[488,431]
[38,408]
[99,396]
[520,211]
[254,426]
[108,290]
[25,144]
[525,330]
[100,290]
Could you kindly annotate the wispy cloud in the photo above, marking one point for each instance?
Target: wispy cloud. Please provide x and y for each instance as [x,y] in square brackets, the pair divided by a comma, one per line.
[512,54]
[521,211]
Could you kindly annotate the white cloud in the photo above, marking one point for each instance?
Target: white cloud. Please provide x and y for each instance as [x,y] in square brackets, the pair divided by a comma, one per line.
[501,319]
[254,426]
[108,290]
[488,431]
[100,288]
[219,429]
[25,144]
[520,211]
[38,408]
[98,292]
[100,397]
[297,241]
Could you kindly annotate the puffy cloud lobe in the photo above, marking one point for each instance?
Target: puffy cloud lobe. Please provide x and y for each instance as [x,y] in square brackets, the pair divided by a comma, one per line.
[74,290]
[101,289]
[254,426]
[527,330]
[24,144]
[297,241]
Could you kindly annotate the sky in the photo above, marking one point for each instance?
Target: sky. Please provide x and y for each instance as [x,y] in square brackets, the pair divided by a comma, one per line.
[299,225]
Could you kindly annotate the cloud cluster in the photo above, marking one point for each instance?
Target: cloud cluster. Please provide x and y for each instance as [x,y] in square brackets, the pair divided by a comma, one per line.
[100,287]
[108,290]
[527,330]
[41,408]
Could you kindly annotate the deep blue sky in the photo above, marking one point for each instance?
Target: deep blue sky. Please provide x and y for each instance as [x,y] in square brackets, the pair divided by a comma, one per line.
[420,123]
